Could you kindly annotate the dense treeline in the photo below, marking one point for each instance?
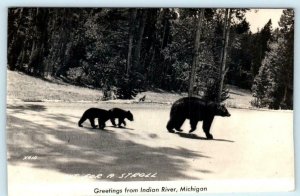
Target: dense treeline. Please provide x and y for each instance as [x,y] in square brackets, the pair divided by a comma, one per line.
[130,50]
[273,84]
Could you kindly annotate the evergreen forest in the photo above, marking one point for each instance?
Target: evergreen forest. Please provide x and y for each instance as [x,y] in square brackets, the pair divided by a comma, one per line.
[124,51]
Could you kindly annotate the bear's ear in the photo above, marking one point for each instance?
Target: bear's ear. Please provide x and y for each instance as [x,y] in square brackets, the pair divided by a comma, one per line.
[221,106]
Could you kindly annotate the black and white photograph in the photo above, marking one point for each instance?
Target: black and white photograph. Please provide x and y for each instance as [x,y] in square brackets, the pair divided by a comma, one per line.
[149,100]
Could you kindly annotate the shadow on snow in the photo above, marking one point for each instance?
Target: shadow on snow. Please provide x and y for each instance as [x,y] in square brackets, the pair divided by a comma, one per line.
[73,150]
[194,136]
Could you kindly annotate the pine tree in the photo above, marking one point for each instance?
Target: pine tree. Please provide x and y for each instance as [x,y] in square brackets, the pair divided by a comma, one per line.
[267,88]
[196,53]
[260,46]
[286,24]
[272,86]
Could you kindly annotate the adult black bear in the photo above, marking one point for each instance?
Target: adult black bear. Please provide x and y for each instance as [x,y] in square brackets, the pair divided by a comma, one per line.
[196,110]
[121,115]
[92,113]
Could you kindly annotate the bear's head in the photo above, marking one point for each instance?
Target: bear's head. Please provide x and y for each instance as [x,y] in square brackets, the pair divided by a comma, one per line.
[222,111]
[129,116]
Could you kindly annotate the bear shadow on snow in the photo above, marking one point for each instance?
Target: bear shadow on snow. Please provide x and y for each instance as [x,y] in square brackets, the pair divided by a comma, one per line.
[190,136]
[195,110]
[121,127]
[100,153]
[194,136]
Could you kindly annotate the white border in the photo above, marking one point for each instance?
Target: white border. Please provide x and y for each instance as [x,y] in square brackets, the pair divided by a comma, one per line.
[4,4]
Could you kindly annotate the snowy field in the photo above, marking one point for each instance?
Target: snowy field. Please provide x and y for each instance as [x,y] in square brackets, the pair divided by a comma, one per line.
[46,146]
[26,88]
[44,140]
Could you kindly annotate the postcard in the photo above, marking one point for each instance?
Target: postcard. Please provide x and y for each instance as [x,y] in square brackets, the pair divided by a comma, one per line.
[134,101]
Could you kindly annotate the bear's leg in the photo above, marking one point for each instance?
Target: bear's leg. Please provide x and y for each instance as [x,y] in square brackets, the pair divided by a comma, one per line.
[179,123]
[124,123]
[101,124]
[92,123]
[121,121]
[170,126]
[175,122]
[81,121]
[206,127]
[112,120]
[193,123]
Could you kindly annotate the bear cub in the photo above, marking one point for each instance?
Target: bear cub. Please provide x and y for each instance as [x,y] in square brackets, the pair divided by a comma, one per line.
[196,110]
[92,113]
[120,115]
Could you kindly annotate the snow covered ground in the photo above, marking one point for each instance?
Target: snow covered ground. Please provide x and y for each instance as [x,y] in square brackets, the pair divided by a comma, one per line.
[26,88]
[45,145]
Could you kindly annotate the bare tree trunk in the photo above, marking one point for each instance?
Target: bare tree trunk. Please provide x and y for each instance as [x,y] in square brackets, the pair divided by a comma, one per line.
[283,101]
[15,40]
[151,67]
[31,67]
[223,69]
[55,57]
[131,35]
[196,53]
[164,21]
[140,39]
[64,39]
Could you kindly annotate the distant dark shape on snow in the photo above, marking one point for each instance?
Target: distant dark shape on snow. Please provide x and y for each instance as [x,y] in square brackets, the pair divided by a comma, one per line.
[142,98]
[92,113]
[120,114]
[196,110]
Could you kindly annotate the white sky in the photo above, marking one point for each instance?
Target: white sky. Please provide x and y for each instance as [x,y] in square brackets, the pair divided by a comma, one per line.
[259,19]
